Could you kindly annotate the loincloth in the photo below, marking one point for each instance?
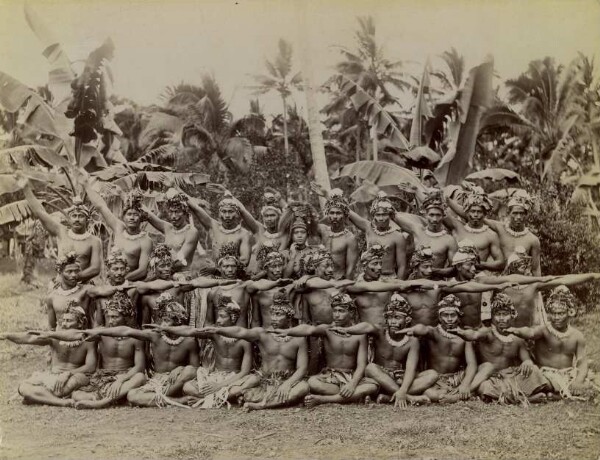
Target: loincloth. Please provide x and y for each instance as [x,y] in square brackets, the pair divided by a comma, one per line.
[560,380]
[220,397]
[100,382]
[194,301]
[396,374]
[267,387]
[46,379]
[510,386]
[448,382]
[340,377]
[160,383]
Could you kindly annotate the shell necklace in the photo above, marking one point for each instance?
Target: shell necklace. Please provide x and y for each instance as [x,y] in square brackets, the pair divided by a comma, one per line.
[395,343]
[481,229]
[183,229]
[333,234]
[558,334]
[228,231]
[66,292]
[78,236]
[381,232]
[445,333]
[280,338]
[171,341]
[73,344]
[442,232]
[271,236]
[228,339]
[131,237]
[502,338]
[515,233]
[340,334]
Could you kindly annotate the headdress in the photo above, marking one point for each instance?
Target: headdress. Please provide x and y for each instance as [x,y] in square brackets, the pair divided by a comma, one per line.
[518,262]
[79,205]
[502,302]
[450,303]
[336,200]
[230,306]
[422,254]
[270,203]
[67,259]
[376,251]
[229,251]
[477,198]
[116,256]
[312,259]
[134,201]
[397,303]
[160,253]
[175,200]
[561,296]
[74,308]
[341,299]
[382,202]
[121,303]
[168,308]
[520,198]
[434,200]
[466,252]
[228,202]
[267,255]
[299,214]
[299,222]
[282,304]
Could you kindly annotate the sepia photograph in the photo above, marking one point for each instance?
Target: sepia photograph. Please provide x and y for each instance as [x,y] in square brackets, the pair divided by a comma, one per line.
[336,229]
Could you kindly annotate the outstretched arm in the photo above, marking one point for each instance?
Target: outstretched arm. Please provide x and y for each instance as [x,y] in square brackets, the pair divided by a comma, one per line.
[203,282]
[122,331]
[111,220]
[408,222]
[203,217]
[471,335]
[264,285]
[357,329]
[418,330]
[155,221]
[25,338]
[527,333]
[52,226]
[360,222]
[474,287]
[304,330]
[569,280]
[237,332]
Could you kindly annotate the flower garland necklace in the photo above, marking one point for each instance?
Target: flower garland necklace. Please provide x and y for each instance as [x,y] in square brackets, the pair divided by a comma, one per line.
[445,333]
[395,343]
[515,233]
[442,232]
[228,339]
[67,292]
[381,232]
[73,344]
[280,338]
[137,236]
[558,334]
[78,236]
[340,334]
[333,234]
[171,341]
[481,229]
[271,236]
[183,229]
[231,230]
[502,338]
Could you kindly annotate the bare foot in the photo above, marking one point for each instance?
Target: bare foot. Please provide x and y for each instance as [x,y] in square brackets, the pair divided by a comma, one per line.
[538,398]
[187,400]
[417,400]
[252,406]
[68,403]
[553,397]
[383,399]
[368,399]
[90,404]
[240,400]
[311,401]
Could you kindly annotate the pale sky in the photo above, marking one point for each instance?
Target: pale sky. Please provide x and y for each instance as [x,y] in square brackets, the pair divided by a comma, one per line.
[160,43]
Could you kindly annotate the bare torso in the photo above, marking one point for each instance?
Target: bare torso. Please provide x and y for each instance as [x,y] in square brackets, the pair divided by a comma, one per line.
[168,357]
[338,246]
[68,358]
[391,357]
[557,353]
[118,354]
[341,351]
[440,247]
[239,294]
[371,306]
[132,248]
[524,300]
[319,305]
[500,354]
[278,356]
[228,355]
[445,355]
[390,242]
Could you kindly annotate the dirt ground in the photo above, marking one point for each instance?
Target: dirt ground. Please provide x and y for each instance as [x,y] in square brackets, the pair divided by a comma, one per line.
[463,430]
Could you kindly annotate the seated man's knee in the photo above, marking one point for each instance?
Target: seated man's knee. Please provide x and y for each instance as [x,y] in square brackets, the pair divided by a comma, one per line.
[135,396]
[137,380]
[370,370]
[313,382]
[190,388]
[188,373]
[429,374]
[25,389]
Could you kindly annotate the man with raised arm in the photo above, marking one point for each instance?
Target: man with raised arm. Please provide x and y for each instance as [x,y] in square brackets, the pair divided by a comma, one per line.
[226,234]
[394,367]
[559,349]
[506,372]
[181,236]
[450,357]
[343,380]
[216,387]
[424,302]
[75,239]
[430,231]
[284,360]
[513,232]
[71,364]
[380,230]
[476,207]
[175,359]
[122,359]
[127,232]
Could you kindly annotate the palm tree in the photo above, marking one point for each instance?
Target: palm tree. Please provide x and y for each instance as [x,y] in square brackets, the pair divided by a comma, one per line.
[451,77]
[280,79]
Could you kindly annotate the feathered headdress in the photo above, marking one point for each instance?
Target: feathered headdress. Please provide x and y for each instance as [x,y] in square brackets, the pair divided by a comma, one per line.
[168,308]
[79,205]
[376,251]
[560,298]
[74,308]
[116,256]
[382,202]
[520,197]
[299,214]
[477,199]
[502,302]
[466,252]
[230,250]
[121,303]
[176,201]
[267,255]
[270,203]
[396,304]
[67,259]
[450,303]
[160,253]
[518,262]
[228,202]
[281,304]
[230,306]
[435,199]
[336,200]
[134,201]
[422,254]
[311,260]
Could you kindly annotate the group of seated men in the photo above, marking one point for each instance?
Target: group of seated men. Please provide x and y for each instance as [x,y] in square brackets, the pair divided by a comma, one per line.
[315,323]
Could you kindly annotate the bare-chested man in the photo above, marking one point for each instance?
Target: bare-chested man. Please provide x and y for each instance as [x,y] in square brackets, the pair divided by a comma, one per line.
[450,357]
[127,232]
[476,207]
[424,302]
[506,372]
[343,380]
[75,239]
[181,237]
[560,349]
[226,234]
[380,230]
[514,233]
[394,367]
[214,388]
[175,359]
[70,366]
[122,359]
[284,360]
[430,231]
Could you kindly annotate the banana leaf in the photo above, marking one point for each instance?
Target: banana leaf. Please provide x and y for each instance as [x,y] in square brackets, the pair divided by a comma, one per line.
[16,211]
[495,175]
[421,109]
